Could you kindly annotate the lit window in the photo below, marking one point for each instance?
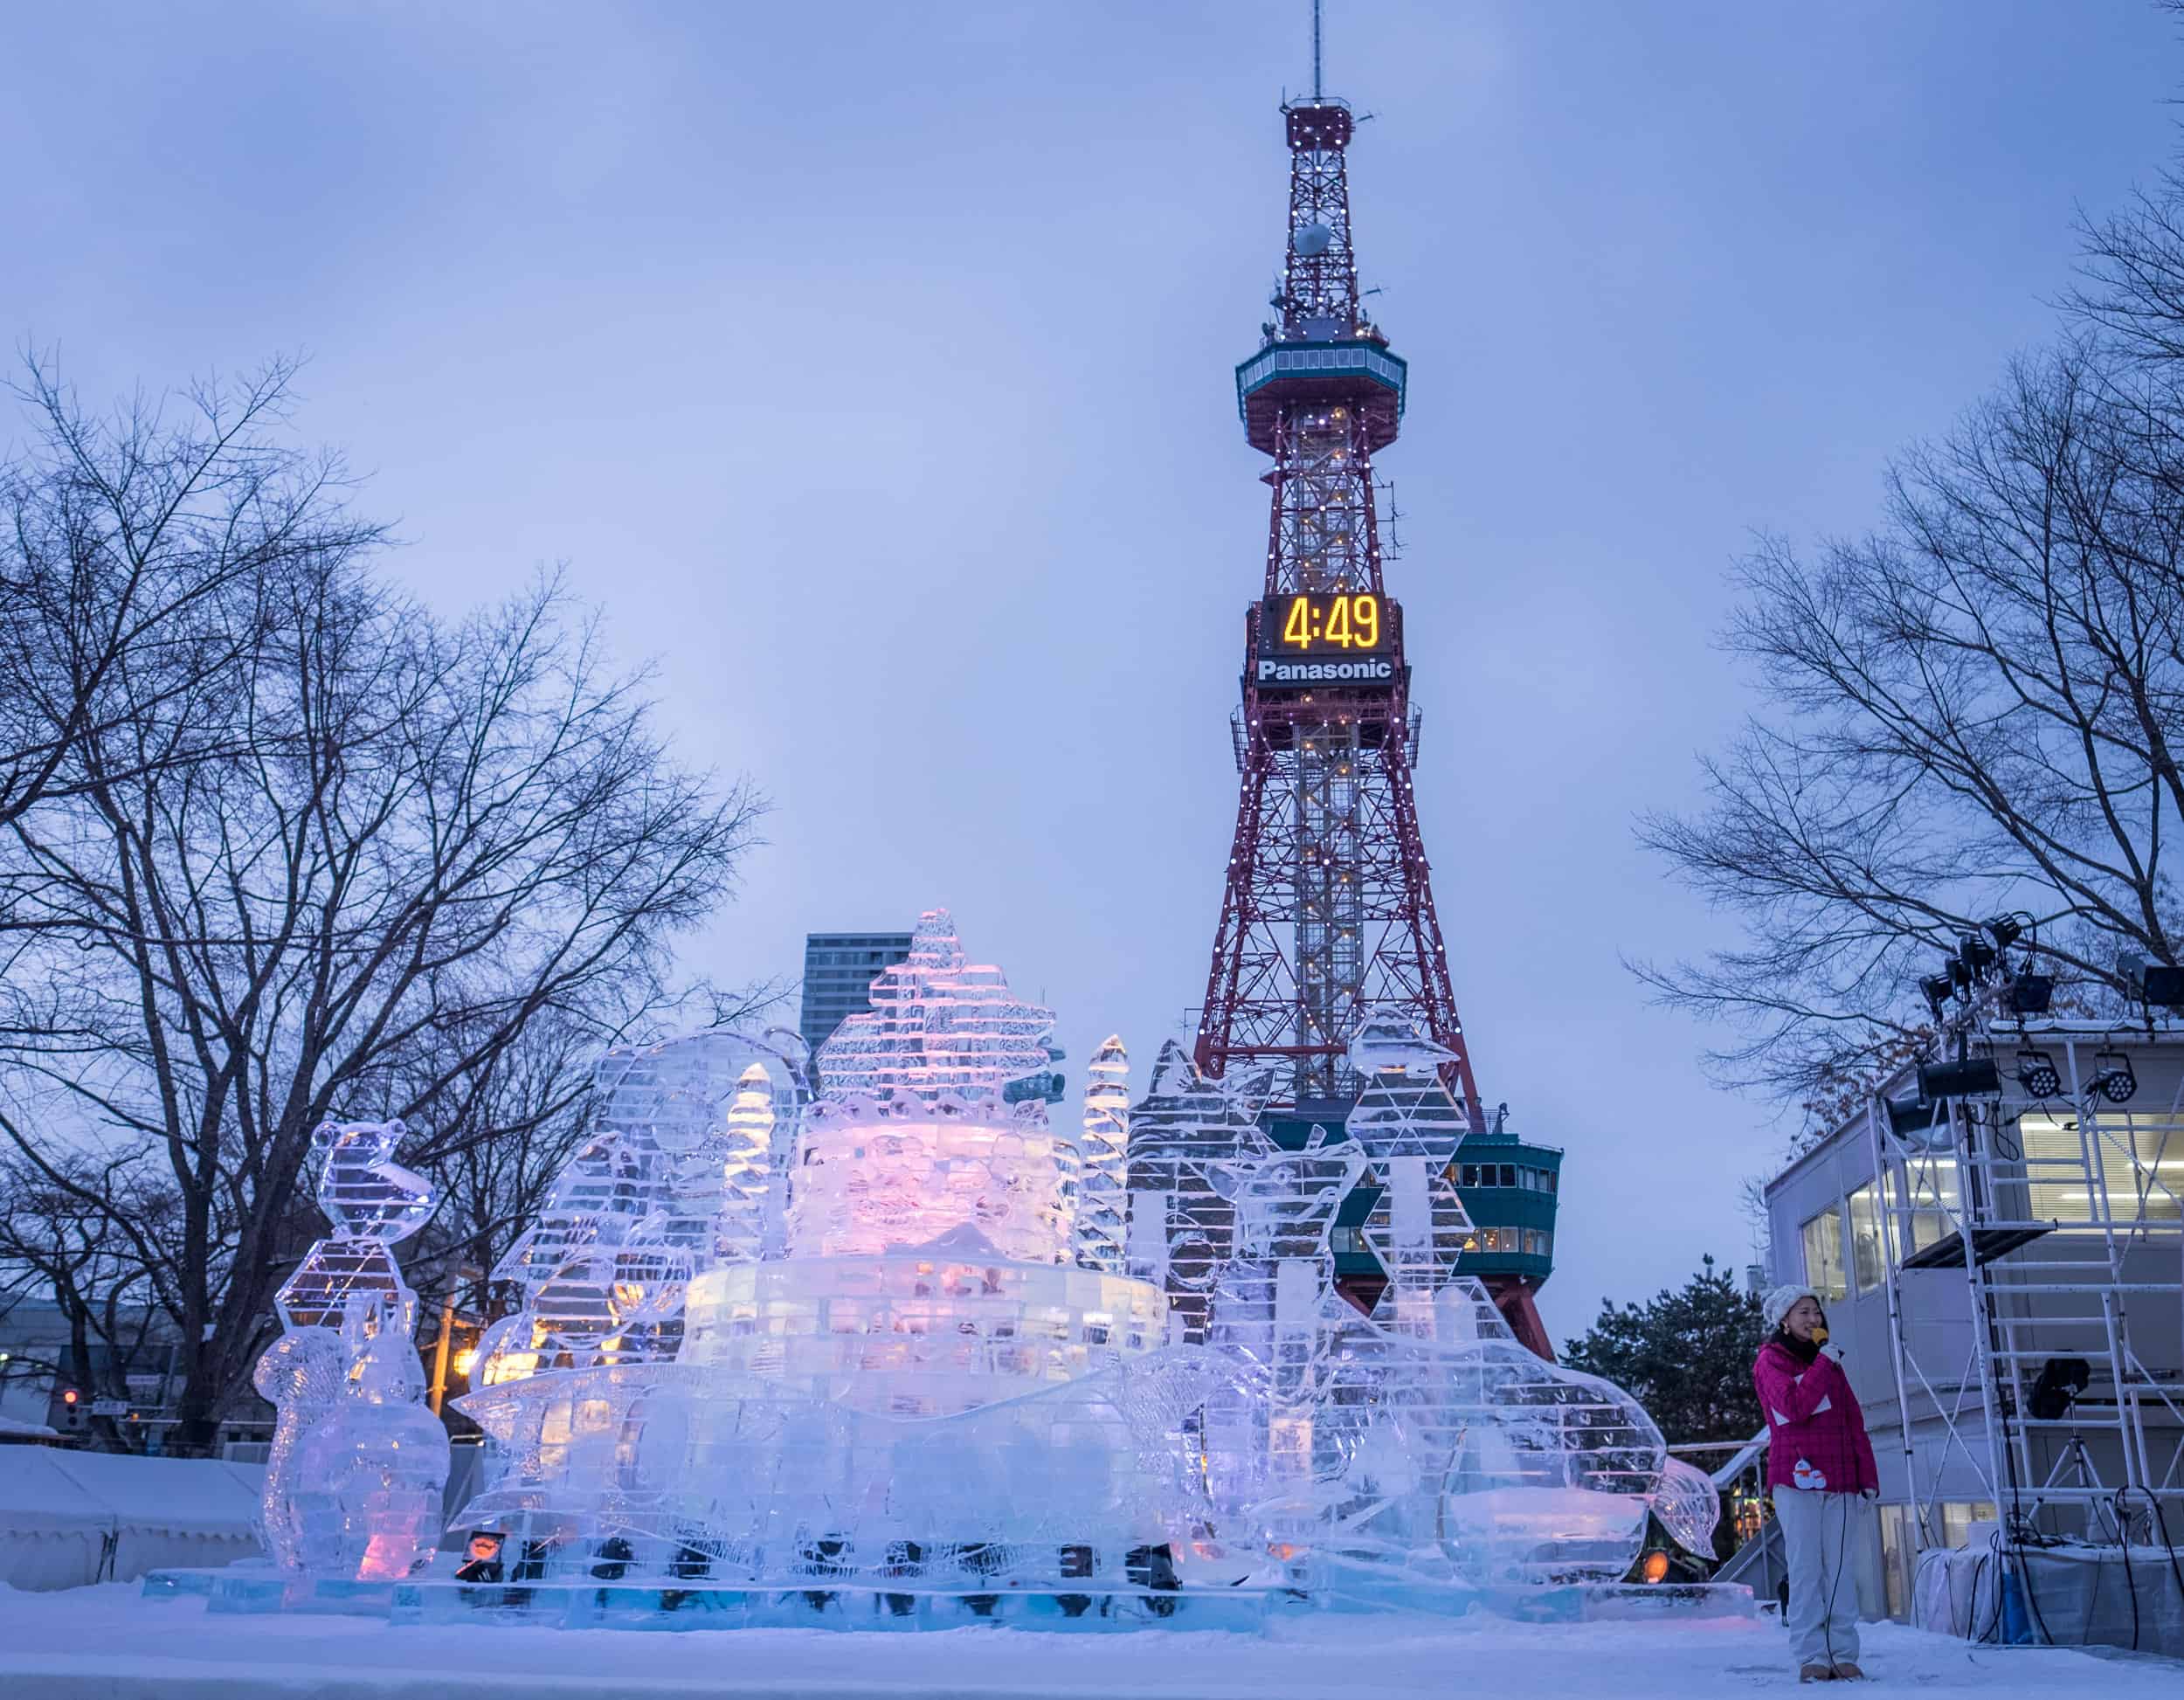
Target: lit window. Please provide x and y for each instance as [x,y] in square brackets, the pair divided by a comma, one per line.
[1931,1184]
[1958,1515]
[1865,1237]
[2139,1159]
[1823,1254]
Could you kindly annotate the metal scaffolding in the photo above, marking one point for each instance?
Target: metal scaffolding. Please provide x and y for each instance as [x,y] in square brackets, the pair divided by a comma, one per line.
[2033,1255]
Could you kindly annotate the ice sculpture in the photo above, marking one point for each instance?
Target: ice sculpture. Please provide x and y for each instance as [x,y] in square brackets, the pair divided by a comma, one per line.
[684,1174]
[1420,1452]
[353,1482]
[1182,1230]
[1103,1193]
[1689,1505]
[908,1339]
[920,1385]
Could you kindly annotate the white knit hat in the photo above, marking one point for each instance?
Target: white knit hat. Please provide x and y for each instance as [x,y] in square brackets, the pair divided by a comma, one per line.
[1776,1305]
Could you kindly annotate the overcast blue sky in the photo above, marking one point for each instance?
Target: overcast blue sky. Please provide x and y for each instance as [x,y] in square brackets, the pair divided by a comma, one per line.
[870,365]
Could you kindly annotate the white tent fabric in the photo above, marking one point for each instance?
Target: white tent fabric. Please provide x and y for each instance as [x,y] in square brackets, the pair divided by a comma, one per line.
[68,1519]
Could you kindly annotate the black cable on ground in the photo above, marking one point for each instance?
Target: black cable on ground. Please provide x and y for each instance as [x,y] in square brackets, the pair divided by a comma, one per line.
[1973,1633]
[2123,1546]
[2032,1599]
[2161,1522]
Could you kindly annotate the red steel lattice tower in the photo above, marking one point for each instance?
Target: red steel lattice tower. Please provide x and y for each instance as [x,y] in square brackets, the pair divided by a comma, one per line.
[1328,912]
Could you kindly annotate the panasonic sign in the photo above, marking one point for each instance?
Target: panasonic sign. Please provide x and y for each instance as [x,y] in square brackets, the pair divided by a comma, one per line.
[1367,670]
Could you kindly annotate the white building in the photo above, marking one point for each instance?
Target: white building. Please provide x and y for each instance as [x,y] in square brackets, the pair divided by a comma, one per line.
[2046,1372]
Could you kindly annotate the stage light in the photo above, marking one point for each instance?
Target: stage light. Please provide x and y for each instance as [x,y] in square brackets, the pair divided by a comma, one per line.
[1936,988]
[1975,1077]
[2037,1074]
[1909,1115]
[2151,982]
[2113,1077]
[2007,929]
[1960,974]
[1975,953]
[2030,994]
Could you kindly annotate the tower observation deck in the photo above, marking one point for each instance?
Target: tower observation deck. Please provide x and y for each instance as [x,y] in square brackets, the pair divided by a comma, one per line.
[1327,909]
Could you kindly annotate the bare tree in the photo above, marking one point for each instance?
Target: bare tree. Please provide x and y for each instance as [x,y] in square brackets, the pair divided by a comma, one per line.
[1973,710]
[55,1243]
[118,529]
[410,842]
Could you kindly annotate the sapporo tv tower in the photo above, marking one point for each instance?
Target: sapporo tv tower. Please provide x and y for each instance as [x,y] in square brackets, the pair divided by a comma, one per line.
[1328,912]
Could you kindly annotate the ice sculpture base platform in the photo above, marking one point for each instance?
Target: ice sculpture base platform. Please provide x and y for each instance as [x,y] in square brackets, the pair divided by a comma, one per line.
[1371,1593]
[253,1591]
[1609,1602]
[650,1606]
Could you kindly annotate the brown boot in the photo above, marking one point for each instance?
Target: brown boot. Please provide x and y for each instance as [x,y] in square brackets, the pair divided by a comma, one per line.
[1847,1672]
[1815,1673]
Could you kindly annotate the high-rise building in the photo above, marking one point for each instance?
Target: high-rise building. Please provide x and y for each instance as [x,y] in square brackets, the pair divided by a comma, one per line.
[838,970]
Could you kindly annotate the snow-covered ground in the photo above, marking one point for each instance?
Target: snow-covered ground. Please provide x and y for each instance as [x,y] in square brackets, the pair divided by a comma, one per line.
[107,1643]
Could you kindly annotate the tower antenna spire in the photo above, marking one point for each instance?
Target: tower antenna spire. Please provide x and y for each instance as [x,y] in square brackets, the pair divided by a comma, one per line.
[1316,89]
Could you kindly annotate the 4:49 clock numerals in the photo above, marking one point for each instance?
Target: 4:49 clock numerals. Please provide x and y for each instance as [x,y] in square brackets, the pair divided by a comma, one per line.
[1343,622]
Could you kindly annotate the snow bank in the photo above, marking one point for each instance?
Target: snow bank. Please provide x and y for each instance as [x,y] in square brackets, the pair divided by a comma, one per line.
[109,1643]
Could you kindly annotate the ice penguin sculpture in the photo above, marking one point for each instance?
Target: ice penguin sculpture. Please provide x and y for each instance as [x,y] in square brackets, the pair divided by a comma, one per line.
[353,1484]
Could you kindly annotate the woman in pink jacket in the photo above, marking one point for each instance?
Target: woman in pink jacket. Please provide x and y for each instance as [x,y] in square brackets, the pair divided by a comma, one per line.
[1820,1467]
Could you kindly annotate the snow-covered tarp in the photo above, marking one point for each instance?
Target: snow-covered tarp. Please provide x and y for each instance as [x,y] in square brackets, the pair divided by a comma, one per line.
[67,1518]
[2076,1595]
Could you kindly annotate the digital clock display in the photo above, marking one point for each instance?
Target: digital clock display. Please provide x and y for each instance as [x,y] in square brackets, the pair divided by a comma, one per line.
[1340,623]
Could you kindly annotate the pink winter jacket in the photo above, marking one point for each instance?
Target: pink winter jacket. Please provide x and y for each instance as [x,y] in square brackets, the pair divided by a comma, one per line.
[1815,1431]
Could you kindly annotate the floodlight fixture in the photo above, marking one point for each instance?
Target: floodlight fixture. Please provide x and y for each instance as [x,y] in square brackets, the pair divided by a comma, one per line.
[1907,1115]
[2007,929]
[1974,1077]
[2029,994]
[1976,953]
[2037,1074]
[2151,982]
[1960,975]
[2113,1077]
[1936,989]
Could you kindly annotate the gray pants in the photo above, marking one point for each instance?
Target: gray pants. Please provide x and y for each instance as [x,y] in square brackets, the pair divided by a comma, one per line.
[1818,1530]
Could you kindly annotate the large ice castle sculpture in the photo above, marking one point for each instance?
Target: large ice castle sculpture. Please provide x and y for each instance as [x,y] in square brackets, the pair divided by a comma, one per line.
[910,1338]
[918,1384]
